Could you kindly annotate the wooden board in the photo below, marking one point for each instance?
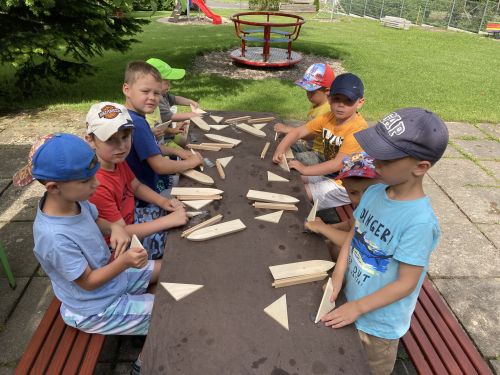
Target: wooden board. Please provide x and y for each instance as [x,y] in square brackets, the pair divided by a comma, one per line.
[276,206]
[225,161]
[199,122]
[197,110]
[221,138]
[191,214]
[220,169]
[135,242]
[218,119]
[264,196]
[275,178]
[217,230]
[278,311]
[262,119]
[307,267]
[198,197]
[202,178]
[264,150]
[197,204]
[251,130]
[325,306]
[312,213]
[273,217]
[237,119]
[203,147]
[218,145]
[297,280]
[195,191]
[284,163]
[289,154]
[218,127]
[213,220]
[259,126]
[179,291]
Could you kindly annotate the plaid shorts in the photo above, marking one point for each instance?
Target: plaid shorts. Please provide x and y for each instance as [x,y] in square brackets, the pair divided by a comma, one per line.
[154,243]
[327,192]
[130,314]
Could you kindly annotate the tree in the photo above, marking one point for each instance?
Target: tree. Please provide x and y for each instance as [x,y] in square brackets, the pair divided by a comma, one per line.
[45,39]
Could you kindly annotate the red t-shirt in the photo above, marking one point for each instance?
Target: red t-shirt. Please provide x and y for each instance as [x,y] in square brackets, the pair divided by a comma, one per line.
[114,197]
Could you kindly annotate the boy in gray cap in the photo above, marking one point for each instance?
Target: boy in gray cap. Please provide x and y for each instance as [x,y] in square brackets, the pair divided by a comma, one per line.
[386,255]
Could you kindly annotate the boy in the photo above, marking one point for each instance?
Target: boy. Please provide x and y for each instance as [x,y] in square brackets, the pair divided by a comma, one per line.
[337,129]
[316,81]
[109,132]
[142,89]
[97,296]
[386,255]
[357,174]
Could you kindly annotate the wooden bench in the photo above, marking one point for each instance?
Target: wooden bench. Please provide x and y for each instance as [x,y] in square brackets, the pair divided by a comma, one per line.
[395,22]
[493,29]
[56,348]
[435,342]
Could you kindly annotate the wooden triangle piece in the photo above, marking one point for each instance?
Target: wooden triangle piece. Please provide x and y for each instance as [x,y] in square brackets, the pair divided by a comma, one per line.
[264,196]
[274,177]
[195,191]
[179,291]
[217,230]
[202,178]
[135,242]
[259,126]
[220,138]
[312,213]
[251,130]
[218,127]
[307,267]
[225,161]
[289,154]
[217,119]
[198,204]
[197,110]
[198,121]
[284,163]
[273,217]
[325,306]
[278,311]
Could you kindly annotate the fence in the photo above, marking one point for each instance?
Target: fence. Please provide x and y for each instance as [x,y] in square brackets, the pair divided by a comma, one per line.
[469,15]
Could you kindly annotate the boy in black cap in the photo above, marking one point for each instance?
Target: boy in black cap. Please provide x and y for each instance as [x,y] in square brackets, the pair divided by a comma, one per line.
[386,256]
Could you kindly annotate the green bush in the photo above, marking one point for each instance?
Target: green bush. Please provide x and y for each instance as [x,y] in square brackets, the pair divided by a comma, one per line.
[316,4]
[153,5]
[264,4]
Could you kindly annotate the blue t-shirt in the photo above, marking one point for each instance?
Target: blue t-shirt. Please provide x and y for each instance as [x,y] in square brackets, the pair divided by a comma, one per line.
[65,246]
[143,146]
[388,232]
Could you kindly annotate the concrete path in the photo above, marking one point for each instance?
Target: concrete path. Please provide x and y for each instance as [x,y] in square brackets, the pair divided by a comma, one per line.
[465,190]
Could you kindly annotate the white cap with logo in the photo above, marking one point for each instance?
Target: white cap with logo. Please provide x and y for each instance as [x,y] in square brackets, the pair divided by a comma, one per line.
[105,119]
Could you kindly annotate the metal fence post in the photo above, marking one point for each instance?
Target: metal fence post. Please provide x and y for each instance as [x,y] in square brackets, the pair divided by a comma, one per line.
[382,9]
[350,7]
[484,15]
[401,10]
[425,11]
[451,12]
[364,10]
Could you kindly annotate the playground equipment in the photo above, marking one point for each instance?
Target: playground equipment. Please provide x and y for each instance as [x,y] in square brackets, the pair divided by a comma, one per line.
[182,7]
[285,25]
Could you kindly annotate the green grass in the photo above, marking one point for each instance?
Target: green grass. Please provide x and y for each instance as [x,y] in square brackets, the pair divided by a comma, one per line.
[453,74]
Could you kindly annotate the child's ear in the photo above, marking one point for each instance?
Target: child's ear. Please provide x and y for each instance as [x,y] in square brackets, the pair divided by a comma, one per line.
[361,101]
[421,168]
[52,187]
[126,89]
[89,138]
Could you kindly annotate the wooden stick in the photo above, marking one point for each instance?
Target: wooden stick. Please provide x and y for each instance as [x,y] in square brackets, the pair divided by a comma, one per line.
[275,136]
[202,147]
[237,119]
[176,190]
[276,206]
[220,169]
[262,119]
[264,150]
[220,145]
[198,197]
[206,223]
[299,280]
[201,166]
[251,130]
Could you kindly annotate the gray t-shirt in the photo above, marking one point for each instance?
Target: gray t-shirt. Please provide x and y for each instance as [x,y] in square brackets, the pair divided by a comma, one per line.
[166,101]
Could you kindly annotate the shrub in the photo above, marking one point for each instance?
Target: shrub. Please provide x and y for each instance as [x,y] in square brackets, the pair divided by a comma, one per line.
[264,4]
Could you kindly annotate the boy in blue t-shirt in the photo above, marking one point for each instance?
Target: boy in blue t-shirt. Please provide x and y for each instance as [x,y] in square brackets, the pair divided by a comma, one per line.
[98,296]
[385,258]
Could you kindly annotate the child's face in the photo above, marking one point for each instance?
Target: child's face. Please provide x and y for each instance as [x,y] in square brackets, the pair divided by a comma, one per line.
[143,95]
[399,171]
[356,187]
[165,86]
[79,190]
[115,150]
[344,108]
[317,97]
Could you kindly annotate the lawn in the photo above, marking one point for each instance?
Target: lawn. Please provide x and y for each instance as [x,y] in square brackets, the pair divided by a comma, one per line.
[448,72]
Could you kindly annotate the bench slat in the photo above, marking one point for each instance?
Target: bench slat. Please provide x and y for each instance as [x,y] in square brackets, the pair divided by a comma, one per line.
[415,353]
[73,363]
[343,216]
[63,350]
[276,40]
[92,355]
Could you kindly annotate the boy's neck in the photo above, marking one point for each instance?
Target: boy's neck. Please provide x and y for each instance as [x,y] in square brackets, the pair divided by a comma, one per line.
[129,106]
[54,205]
[408,191]
[341,122]
[107,166]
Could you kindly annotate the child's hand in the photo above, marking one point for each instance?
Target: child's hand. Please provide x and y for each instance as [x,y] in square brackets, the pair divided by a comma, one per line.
[177,218]
[173,131]
[184,154]
[172,205]
[158,132]
[119,239]
[135,257]
[280,128]
[315,226]
[297,165]
[343,315]
[194,160]
[182,126]
[194,104]
[278,156]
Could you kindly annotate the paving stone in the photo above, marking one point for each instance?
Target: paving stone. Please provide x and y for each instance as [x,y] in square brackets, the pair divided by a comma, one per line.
[481,149]
[475,303]
[446,210]
[19,203]
[492,129]
[459,249]
[492,231]
[17,239]
[4,182]
[460,129]
[495,363]
[481,204]
[459,172]
[493,166]
[24,320]
[451,152]
[6,370]
[8,296]
[17,157]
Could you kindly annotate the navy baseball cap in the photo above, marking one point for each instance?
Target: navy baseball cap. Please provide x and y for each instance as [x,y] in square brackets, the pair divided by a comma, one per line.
[58,157]
[414,132]
[348,84]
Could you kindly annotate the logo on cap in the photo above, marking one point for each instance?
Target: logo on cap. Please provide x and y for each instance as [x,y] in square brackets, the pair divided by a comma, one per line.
[109,112]
[393,124]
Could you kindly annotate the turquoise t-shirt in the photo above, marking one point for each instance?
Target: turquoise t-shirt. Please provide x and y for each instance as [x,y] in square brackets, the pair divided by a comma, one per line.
[388,232]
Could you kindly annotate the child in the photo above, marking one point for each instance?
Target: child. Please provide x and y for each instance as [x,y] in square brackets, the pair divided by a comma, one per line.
[316,81]
[386,256]
[337,130]
[109,132]
[357,174]
[97,296]
[142,89]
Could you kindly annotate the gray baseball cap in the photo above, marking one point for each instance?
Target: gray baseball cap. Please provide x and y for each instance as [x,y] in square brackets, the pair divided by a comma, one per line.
[414,132]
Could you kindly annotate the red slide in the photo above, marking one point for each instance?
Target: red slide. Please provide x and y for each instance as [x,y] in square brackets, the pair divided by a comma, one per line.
[216,19]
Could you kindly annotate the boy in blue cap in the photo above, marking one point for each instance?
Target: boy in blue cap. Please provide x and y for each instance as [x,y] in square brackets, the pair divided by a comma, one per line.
[97,296]
[385,258]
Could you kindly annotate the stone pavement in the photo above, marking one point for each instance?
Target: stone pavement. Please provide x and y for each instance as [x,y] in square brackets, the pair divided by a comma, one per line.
[465,191]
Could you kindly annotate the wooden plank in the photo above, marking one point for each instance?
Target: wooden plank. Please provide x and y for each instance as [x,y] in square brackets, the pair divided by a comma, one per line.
[198,197]
[304,268]
[273,217]
[417,357]
[237,119]
[199,204]
[289,281]
[217,145]
[206,223]
[276,206]
[77,352]
[197,110]
[251,130]
[63,350]
[202,178]
[199,122]
[264,196]
[192,214]
[312,213]
[179,291]
[195,191]
[278,311]
[203,147]
[325,305]
[221,138]
[217,230]
[220,169]
[261,119]
[49,347]
[264,150]
[275,178]
[218,127]
[92,355]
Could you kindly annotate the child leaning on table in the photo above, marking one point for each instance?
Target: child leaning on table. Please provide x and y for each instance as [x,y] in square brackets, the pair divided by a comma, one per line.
[357,174]
[337,130]
[386,255]
[97,296]
[109,133]
[316,81]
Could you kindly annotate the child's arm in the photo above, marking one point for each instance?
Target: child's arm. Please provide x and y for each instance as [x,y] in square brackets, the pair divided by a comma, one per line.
[183,116]
[320,169]
[293,136]
[337,233]
[119,238]
[180,100]
[341,265]
[146,194]
[406,283]
[161,165]
[176,151]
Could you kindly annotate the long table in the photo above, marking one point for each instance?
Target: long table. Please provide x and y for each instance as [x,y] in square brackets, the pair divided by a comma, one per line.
[222,328]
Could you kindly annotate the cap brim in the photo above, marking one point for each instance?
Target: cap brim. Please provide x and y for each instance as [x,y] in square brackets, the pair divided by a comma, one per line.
[175,74]
[351,95]
[376,146]
[104,132]
[23,176]
[307,85]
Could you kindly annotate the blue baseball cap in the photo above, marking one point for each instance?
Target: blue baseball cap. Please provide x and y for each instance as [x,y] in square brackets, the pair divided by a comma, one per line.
[348,84]
[58,157]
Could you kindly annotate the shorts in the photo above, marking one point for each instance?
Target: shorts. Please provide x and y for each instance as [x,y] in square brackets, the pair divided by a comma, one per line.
[130,314]
[154,243]
[328,193]
[381,353]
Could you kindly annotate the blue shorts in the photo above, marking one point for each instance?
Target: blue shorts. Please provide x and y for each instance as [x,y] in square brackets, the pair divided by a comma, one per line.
[154,243]
[130,314]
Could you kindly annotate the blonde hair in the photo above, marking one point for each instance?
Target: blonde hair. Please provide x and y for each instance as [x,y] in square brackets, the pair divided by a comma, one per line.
[136,69]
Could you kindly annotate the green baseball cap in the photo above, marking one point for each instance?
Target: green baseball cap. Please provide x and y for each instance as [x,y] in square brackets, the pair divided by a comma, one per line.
[166,71]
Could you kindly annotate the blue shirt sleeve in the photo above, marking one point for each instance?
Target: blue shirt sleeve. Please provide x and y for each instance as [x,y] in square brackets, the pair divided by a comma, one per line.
[67,258]
[417,243]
